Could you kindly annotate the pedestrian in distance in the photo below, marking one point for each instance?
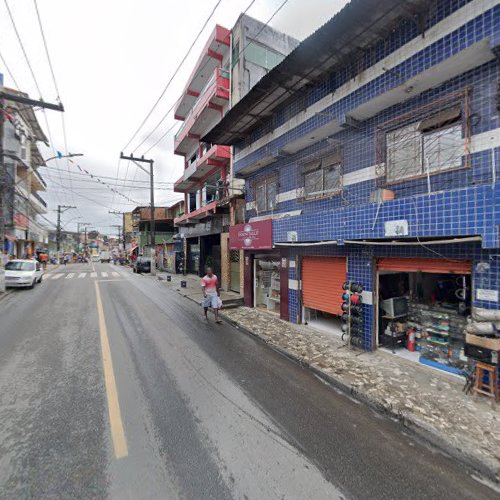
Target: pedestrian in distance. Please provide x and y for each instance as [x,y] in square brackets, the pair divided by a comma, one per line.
[211,294]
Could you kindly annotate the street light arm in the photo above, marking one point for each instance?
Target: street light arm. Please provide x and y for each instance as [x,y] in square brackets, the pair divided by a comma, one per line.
[60,157]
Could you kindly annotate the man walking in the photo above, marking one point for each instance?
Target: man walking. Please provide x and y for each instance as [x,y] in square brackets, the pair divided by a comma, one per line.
[210,286]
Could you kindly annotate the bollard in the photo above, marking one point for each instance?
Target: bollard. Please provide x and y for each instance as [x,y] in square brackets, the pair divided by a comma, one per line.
[169,278]
[183,284]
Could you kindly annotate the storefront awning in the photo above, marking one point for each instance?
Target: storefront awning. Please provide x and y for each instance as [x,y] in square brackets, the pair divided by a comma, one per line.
[465,239]
[304,244]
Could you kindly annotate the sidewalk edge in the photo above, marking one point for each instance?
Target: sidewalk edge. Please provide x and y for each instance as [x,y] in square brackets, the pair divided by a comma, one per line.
[428,434]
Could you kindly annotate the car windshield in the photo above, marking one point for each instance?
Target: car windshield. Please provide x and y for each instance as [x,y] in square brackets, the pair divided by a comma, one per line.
[20,266]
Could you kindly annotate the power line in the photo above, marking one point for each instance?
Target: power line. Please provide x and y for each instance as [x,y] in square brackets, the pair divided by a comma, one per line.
[22,48]
[173,76]
[47,50]
[51,67]
[201,69]
[8,70]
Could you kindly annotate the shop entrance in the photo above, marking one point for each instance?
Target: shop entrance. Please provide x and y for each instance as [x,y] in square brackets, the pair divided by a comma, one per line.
[235,283]
[193,257]
[267,283]
[322,279]
[422,307]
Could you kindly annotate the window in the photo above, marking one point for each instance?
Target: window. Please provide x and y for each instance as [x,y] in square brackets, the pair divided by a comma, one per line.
[433,144]
[235,55]
[323,178]
[262,56]
[265,196]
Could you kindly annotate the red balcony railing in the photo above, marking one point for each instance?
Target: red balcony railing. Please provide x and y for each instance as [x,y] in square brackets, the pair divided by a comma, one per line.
[213,96]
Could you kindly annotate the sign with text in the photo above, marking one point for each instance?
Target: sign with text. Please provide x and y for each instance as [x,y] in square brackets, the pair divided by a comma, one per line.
[252,236]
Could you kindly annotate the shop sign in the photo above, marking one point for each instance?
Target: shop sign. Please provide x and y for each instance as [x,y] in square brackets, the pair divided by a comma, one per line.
[252,236]
[21,220]
[292,236]
[487,295]
[396,228]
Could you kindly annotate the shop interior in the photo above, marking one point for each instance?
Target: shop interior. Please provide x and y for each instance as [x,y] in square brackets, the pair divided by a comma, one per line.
[422,317]
[267,283]
[325,322]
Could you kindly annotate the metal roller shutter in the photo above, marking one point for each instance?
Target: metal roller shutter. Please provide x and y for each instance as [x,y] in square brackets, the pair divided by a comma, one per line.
[322,279]
[410,265]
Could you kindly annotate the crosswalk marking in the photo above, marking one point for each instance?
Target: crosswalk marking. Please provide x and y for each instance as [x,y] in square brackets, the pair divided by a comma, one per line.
[94,274]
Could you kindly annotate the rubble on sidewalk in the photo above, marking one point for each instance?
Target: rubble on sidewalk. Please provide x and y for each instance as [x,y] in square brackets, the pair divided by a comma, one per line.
[431,402]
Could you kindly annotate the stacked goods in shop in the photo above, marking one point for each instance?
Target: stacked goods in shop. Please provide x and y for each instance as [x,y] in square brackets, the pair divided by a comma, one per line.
[352,315]
[440,333]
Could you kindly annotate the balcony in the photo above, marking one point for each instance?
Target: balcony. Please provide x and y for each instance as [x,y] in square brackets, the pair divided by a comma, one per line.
[210,58]
[38,203]
[37,181]
[197,215]
[204,114]
[215,158]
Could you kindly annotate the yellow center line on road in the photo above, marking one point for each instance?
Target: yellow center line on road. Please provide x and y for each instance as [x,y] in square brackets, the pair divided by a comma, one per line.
[115,417]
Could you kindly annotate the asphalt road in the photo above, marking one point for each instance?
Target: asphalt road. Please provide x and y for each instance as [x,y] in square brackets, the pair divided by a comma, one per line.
[112,386]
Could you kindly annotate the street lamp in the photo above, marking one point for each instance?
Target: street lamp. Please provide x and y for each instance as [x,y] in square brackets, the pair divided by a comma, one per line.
[60,156]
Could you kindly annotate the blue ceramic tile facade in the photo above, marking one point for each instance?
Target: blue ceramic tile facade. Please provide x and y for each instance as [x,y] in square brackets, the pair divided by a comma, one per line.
[460,203]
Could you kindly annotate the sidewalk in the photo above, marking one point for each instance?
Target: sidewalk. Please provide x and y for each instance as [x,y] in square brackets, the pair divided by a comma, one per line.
[193,289]
[426,401]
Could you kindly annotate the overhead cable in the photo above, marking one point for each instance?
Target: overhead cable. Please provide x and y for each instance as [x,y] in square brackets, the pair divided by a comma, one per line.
[173,75]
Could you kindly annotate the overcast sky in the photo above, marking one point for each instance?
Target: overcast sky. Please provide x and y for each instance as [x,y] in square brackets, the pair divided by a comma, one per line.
[112,59]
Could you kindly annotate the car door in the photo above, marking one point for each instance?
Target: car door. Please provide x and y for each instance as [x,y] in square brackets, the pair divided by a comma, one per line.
[38,271]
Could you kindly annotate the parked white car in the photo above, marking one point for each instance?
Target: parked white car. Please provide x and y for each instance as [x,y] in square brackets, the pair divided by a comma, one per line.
[23,273]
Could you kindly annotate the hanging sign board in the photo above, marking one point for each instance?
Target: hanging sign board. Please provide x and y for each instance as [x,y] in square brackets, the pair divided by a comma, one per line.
[252,236]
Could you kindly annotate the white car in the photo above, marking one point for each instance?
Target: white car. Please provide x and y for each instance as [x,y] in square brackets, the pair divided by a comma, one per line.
[20,273]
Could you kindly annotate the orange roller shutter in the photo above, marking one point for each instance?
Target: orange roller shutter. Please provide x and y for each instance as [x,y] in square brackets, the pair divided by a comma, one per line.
[322,279]
[439,266]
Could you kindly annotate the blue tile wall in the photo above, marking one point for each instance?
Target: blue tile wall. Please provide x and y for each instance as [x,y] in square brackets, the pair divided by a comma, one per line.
[463,37]
[461,203]
[361,268]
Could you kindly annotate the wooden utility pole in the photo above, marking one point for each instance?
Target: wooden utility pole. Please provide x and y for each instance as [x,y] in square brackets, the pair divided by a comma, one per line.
[152,238]
[116,212]
[60,209]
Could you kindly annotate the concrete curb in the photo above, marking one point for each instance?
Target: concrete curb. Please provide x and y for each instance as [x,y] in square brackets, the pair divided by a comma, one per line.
[4,295]
[426,433]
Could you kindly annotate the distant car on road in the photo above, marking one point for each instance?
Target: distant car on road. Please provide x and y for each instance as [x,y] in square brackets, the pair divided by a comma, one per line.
[105,256]
[142,265]
[23,273]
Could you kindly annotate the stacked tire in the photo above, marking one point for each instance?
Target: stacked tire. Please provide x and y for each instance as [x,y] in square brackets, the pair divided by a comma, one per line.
[352,315]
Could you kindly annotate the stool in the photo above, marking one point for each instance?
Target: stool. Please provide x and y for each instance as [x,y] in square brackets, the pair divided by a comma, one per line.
[490,387]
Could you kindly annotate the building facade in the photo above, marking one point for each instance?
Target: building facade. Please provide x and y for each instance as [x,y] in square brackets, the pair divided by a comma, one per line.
[22,181]
[231,62]
[375,161]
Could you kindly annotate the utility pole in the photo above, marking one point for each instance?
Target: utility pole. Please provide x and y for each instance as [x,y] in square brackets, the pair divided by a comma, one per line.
[152,239]
[117,212]
[60,209]
[84,224]
[21,99]
[119,227]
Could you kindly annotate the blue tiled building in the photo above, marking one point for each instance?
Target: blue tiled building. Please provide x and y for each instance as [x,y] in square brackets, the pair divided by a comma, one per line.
[375,141]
